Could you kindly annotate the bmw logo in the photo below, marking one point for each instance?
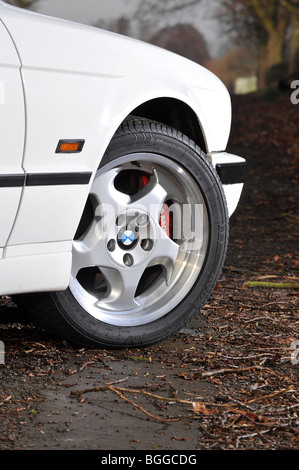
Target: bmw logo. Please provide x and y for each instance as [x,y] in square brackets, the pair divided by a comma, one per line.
[128,238]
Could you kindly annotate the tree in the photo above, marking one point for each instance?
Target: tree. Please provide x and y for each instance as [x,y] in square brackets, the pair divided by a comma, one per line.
[236,63]
[293,7]
[182,39]
[21,3]
[294,43]
[264,23]
[152,15]
[156,7]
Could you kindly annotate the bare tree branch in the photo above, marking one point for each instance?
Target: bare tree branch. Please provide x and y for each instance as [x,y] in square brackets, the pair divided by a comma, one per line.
[263,23]
[167,6]
[21,3]
[290,4]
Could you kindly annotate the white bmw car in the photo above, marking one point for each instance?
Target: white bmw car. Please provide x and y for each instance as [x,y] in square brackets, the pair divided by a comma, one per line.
[115,187]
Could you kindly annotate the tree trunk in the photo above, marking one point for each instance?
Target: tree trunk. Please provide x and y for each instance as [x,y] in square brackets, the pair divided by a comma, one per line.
[271,53]
[275,45]
[294,43]
[262,67]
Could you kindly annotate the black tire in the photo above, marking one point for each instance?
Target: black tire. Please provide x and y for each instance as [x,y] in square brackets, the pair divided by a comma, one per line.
[61,312]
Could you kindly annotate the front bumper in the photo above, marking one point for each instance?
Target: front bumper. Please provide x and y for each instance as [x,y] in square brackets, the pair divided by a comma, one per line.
[232,171]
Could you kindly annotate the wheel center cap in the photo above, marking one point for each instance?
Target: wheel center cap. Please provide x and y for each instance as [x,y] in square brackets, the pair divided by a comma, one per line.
[131,238]
[128,238]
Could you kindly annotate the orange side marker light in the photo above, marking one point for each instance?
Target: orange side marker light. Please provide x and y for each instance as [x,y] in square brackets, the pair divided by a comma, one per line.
[70,146]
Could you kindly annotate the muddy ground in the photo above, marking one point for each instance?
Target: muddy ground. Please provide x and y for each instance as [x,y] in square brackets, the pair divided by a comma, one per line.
[229,380]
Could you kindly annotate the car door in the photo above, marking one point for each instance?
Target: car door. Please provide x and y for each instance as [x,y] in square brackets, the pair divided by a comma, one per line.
[12,132]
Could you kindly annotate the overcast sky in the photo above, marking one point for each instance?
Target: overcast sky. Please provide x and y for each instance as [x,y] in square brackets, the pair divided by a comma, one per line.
[91,11]
[86,11]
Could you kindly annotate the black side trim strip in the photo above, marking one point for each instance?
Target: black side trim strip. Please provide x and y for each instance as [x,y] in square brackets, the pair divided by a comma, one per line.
[11,181]
[53,179]
[232,173]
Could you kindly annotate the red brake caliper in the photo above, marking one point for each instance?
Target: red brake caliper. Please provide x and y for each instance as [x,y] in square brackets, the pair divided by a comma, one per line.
[165,216]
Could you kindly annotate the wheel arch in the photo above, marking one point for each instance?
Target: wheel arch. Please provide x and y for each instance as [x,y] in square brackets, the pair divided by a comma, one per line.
[174,113]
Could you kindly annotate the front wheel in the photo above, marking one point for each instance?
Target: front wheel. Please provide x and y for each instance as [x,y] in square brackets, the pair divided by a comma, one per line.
[150,244]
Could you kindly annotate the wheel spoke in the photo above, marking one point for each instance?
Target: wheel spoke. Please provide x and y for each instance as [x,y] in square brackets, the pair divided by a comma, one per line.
[165,253]
[110,200]
[90,250]
[151,198]
[171,186]
[122,285]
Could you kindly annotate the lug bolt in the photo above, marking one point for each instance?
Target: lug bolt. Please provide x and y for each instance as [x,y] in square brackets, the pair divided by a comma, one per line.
[142,220]
[128,260]
[147,244]
[120,220]
[111,245]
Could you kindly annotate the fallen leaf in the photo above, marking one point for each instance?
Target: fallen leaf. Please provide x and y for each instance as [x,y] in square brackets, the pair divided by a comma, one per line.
[199,407]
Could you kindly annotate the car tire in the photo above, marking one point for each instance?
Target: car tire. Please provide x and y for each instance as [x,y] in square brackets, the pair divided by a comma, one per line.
[135,282]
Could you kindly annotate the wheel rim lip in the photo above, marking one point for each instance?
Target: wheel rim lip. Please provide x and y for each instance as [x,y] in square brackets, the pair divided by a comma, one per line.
[153,308]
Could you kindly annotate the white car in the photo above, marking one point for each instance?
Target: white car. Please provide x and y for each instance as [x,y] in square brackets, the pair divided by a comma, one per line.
[115,187]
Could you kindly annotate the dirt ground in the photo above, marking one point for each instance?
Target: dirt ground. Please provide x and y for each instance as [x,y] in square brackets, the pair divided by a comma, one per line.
[228,381]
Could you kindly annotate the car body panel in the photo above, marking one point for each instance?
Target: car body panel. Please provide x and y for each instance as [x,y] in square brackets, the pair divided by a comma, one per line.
[12,134]
[69,81]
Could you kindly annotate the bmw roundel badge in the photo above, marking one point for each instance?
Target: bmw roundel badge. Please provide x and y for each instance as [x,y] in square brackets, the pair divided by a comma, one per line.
[128,237]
